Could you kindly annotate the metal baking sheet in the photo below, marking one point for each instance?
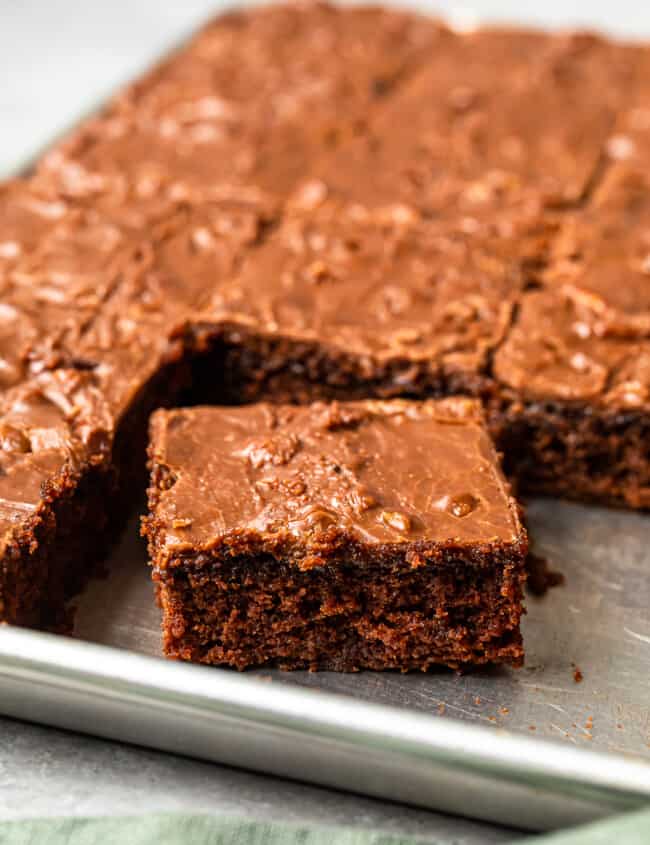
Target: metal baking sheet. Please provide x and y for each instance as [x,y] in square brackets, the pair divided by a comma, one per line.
[565,739]
[586,681]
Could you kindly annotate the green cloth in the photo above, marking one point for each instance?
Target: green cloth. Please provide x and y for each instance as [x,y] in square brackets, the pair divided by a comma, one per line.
[624,829]
[179,829]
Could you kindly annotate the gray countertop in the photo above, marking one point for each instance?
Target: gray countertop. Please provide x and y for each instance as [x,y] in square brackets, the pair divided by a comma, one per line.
[58,60]
[46,772]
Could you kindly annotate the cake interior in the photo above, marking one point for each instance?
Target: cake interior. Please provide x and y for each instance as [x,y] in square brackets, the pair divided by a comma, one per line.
[375,612]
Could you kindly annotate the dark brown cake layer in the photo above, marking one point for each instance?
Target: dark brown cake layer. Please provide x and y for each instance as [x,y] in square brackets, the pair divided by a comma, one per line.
[370,534]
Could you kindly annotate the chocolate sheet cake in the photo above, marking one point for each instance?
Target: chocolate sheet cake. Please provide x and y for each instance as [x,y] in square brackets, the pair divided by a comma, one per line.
[375,534]
[319,203]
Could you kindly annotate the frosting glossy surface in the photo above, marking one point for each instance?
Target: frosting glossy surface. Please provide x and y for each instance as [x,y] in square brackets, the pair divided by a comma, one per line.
[378,472]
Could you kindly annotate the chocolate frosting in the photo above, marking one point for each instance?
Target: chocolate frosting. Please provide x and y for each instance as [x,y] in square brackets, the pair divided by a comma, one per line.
[375,472]
[508,112]
[244,108]
[55,270]
[51,426]
[556,351]
[601,257]
[379,284]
